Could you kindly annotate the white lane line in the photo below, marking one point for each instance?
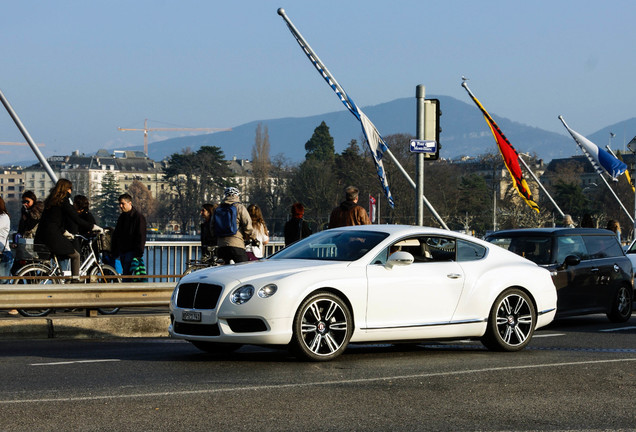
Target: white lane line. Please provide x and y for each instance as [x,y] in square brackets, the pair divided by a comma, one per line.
[619,329]
[547,335]
[310,384]
[74,362]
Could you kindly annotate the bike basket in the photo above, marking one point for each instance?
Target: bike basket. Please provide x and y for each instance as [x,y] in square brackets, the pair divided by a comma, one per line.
[104,240]
[30,251]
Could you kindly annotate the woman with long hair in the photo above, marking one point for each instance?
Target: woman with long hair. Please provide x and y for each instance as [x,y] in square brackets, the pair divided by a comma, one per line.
[53,229]
[259,230]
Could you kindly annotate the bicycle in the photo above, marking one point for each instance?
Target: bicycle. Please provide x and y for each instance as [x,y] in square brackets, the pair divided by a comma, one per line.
[208,259]
[45,269]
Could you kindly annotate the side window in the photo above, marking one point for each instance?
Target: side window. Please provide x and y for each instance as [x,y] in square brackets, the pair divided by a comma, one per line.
[467,251]
[570,245]
[423,249]
[602,246]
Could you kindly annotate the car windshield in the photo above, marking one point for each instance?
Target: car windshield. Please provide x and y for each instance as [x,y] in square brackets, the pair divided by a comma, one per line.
[333,245]
[537,249]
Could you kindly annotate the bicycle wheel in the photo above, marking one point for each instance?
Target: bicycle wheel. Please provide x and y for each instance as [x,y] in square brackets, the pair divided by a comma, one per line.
[96,275]
[28,271]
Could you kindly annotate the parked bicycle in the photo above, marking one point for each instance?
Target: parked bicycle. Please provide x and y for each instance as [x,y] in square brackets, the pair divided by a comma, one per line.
[44,268]
[208,259]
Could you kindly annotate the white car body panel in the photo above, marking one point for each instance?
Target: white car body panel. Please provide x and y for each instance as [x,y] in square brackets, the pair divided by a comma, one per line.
[423,300]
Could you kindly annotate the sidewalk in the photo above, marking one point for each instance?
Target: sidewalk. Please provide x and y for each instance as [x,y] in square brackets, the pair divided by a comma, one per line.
[73,327]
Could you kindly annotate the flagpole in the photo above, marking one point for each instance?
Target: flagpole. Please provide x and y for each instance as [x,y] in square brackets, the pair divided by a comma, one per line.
[542,187]
[346,100]
[600,174]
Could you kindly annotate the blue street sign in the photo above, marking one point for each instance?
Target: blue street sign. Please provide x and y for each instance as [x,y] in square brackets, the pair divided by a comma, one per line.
[423,146]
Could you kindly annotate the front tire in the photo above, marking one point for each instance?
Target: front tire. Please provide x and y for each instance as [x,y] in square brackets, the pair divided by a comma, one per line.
[621,309]
[322,328]
[511,322]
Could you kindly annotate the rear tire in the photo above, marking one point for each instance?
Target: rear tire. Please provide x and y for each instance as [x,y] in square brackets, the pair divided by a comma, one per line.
[96,275]
[511,322]
[621,309]
[30,270]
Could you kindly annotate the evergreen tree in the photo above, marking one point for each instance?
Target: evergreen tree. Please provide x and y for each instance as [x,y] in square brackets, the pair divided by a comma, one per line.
[106,207]
[321,145]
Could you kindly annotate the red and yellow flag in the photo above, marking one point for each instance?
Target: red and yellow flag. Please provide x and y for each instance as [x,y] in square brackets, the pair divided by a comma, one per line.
[508,153]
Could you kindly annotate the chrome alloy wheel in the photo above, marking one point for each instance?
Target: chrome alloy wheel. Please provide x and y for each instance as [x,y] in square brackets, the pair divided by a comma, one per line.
[324,327]
[515,320]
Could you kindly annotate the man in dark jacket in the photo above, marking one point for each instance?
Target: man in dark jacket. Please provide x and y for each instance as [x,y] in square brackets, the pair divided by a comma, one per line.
[129,237]
[349,213]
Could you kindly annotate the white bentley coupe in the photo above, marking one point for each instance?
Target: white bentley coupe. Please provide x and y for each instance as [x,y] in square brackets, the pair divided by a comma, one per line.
[370,283]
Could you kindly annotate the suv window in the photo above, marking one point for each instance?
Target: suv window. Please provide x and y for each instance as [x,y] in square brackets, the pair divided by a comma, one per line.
[570,245]
[535,248]
[602,246]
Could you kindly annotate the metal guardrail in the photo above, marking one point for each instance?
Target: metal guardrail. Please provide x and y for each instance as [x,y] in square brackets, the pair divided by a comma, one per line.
[167,264]
[85,296]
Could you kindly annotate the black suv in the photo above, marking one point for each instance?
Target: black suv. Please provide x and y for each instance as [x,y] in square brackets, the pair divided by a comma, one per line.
[588,267]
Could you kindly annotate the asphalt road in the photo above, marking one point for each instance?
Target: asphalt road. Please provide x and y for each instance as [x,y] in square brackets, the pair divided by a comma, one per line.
[578,374]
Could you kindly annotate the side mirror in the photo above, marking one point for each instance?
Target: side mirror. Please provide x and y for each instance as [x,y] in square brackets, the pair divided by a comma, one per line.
[399,258]
[570,260]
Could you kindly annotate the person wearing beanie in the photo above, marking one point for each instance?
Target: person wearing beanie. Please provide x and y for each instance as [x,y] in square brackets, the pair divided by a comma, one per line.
[296,228]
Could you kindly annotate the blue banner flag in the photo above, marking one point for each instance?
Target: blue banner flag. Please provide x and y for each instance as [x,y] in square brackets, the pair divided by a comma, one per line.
[599,158]
[376,143]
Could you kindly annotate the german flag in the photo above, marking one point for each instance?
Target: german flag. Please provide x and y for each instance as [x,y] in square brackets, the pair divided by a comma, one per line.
[508,153]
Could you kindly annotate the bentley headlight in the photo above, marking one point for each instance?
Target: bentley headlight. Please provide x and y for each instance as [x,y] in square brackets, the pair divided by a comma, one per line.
[242,294]
[267,291]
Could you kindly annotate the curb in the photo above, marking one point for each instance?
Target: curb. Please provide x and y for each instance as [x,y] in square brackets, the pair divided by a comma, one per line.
[102,327]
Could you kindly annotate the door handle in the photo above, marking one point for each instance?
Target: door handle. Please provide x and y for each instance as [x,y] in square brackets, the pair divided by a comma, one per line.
[453,275]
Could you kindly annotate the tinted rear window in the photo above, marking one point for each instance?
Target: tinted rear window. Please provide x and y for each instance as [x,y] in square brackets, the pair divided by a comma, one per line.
[537,249]
[602,246]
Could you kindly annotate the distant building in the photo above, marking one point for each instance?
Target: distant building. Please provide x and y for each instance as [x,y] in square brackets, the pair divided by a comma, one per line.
[11,183]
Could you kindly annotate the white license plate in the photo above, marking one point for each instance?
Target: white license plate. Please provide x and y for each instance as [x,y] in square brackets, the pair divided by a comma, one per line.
[191,316]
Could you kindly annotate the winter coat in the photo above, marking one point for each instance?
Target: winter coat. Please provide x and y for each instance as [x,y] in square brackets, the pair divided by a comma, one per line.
[129,234]
[54,221]
[244,224]
[296,229]
[348,213]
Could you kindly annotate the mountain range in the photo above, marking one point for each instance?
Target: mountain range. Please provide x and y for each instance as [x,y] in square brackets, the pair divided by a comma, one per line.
[464,133]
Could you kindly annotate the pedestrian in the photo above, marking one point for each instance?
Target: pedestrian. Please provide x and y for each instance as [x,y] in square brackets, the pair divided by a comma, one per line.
[296,228]
[207,237]
[587,221]
[568,222]
[232,227]
[30,214]
[615,227]
[6,256]
[259,232]
[349,213]
[81,204]
[58,215]
[129,237]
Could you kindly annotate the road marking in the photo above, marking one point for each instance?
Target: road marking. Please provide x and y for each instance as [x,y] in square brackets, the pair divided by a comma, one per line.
[619,329]
[309,384]
[547,335]
[74,362]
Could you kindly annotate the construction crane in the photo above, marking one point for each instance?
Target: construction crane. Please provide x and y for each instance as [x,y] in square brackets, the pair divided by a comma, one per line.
[146,129]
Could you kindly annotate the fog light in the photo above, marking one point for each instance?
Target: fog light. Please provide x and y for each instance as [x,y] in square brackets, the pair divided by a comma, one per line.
[267,291]
[242,294]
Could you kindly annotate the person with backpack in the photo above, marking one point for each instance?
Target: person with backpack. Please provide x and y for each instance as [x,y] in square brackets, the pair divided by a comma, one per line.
[232,227]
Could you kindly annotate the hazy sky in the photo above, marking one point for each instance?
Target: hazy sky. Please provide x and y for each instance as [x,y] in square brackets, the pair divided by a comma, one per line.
[74,71]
